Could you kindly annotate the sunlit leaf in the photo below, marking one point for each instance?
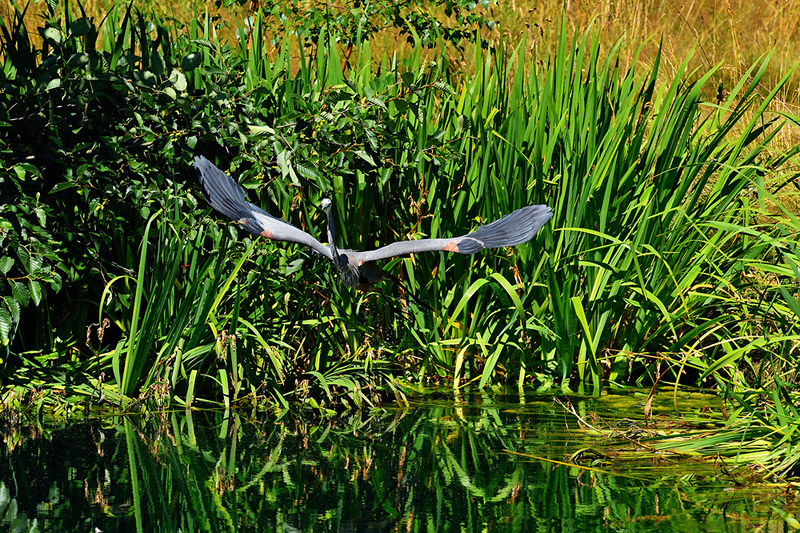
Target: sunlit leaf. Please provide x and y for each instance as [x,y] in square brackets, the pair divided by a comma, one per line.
[378,102]
[14,308]
[5,264]
[35,291]
[178,80]
[25,258]
[261,130]
[191,61]
[5,325]
[21,293]
[366,157]
[55,281]
[52,36]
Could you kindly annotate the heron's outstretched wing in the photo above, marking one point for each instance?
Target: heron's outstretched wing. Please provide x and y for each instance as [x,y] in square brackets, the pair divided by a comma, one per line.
[513,229]
[228,197]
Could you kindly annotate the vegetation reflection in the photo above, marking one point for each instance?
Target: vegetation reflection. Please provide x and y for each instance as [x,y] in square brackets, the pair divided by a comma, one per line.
[483,465]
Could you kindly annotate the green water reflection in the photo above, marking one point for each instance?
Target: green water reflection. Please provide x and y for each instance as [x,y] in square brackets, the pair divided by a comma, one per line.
[476,465]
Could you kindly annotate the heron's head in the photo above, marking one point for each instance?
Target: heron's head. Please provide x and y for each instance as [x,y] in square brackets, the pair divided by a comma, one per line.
[326,205]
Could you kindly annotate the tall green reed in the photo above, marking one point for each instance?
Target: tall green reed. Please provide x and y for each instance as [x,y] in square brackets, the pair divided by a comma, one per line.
[645,181]
[756,365]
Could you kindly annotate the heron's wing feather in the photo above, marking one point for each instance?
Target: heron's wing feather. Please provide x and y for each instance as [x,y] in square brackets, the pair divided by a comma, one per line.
[513,229]
[228,197]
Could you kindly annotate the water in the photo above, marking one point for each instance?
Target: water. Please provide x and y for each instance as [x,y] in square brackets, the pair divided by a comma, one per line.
[484,462]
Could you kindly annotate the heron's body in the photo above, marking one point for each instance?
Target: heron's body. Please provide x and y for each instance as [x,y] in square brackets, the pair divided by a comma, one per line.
[359,268]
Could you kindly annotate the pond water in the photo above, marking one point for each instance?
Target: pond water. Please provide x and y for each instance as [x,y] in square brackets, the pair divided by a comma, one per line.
[479,462]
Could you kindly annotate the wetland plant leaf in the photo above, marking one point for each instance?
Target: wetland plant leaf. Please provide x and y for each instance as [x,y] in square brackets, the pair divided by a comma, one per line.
[5,325]
[52,36]
[21,293]
[191,61]
[5,264]
[80,27]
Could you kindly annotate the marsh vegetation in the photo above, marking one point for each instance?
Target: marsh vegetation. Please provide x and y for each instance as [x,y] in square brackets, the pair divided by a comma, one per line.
[671,258]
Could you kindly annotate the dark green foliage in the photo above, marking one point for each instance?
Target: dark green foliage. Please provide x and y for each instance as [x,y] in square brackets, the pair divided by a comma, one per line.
[88,137]
[115,132]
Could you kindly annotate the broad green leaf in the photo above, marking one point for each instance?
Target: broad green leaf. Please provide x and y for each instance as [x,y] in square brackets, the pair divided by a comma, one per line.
[5,497]
[157,64]
[35,265]
[54,281]
[191,61]
[5,264]
[128,60]
[52,36]
[261,130]
[79,59]
[378,102]
[14,307]
[365,156]
[80,27]
[284,163]
[24,257]
[35,291]
[25,169]
[5,325]
[21,293]
[178,80]
[145,77]
[443,86]
[307,172]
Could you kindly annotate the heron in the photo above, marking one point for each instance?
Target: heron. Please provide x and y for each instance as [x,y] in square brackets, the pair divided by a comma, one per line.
[360,269]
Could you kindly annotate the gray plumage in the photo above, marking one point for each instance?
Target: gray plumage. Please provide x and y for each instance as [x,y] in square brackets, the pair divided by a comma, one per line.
[228,197]
[358,268]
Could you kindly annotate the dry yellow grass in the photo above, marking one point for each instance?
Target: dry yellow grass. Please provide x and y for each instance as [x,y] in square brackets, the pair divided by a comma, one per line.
[731,33]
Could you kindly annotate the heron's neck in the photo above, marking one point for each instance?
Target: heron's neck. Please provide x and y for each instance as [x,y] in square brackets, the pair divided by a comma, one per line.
[331,237]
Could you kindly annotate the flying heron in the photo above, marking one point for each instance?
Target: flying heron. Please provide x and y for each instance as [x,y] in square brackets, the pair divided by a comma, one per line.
[360,269]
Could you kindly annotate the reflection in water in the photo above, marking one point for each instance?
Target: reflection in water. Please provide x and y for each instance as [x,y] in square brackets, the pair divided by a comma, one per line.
[488,464]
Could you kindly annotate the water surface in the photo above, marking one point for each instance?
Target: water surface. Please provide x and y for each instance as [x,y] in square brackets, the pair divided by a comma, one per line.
[479,462]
